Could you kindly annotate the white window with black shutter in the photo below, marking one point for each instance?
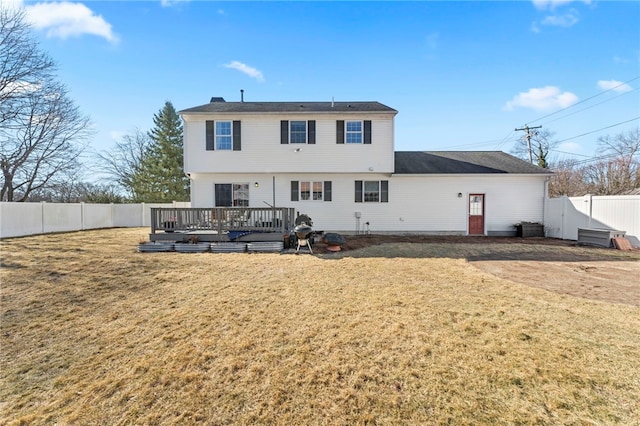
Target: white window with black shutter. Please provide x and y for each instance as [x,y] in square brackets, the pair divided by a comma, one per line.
[223,135]
[372,191]
[298,132]
[353,132]
[310,190]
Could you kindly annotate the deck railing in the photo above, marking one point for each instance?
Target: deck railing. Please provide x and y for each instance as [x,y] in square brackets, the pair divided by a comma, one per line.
[221,219]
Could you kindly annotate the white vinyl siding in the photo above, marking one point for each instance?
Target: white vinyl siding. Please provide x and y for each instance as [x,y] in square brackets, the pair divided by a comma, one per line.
[262,150]
[412,200]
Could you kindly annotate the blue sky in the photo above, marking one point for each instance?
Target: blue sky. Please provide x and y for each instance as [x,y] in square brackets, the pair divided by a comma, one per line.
[463,75]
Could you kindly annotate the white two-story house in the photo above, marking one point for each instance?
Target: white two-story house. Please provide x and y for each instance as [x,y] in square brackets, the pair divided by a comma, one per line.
[335,162]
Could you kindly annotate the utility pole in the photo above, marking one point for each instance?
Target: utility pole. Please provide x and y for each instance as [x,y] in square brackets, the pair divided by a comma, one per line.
[528,136]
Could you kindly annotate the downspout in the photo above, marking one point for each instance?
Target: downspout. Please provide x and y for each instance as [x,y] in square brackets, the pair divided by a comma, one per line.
[188,175]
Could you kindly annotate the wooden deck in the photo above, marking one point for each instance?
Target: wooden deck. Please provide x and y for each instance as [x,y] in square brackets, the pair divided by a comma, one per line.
[221,224]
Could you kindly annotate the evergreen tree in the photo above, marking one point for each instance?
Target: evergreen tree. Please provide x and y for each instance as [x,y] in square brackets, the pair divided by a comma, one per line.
[161,178]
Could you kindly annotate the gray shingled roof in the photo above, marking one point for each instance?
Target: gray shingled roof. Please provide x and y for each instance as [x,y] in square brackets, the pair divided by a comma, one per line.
[289,107]
[462,162]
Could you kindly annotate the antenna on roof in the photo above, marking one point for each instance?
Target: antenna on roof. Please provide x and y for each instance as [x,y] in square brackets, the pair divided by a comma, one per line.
[241,95]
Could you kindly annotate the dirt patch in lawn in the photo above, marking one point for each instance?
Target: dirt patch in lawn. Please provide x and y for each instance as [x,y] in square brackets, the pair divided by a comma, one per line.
[559,266]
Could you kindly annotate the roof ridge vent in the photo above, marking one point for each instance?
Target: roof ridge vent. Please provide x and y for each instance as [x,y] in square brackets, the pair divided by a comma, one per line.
[216,99]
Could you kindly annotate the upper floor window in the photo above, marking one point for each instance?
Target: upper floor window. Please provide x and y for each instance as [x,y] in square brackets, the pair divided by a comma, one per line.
[353,132]
[372,191]
[298,131]
[223,135]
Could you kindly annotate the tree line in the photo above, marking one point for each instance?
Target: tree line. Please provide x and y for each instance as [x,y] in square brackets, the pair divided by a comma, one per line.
[615,170]
[44,137]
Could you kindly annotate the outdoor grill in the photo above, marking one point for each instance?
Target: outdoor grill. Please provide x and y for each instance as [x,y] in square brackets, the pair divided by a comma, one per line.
[303,232]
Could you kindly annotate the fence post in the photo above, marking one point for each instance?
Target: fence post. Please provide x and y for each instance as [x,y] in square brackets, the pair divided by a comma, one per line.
[82,215]
[563,222]
[42,216]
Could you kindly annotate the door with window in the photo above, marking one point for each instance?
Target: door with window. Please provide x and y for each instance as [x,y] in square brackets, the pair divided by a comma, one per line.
[476,214]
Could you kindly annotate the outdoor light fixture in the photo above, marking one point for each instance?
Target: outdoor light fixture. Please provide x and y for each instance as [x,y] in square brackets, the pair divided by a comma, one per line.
[459,194]
[256,184]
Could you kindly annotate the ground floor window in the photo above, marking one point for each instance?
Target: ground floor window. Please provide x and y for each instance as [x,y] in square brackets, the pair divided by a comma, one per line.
[372,191]
[310,190]
[232,194]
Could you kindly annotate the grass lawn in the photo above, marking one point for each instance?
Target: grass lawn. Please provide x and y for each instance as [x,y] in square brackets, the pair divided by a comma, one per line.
[93,332]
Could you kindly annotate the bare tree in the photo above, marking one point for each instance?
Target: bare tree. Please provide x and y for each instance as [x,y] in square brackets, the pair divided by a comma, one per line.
[568,179]
[42,132]
[23,67]
[73,191]
[123,162]
[618,171]
[43,143]
[542,144]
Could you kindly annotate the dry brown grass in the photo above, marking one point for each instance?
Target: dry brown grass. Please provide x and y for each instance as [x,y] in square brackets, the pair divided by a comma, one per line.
[94,333]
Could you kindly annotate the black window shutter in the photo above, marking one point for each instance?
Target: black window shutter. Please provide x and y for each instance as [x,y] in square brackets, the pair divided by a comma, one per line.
[340,131]
[284,131]
[311,128]
[210,136]
[358,191]
[384,191]
[237,142]
[327,190]
[367,131]
[294,190]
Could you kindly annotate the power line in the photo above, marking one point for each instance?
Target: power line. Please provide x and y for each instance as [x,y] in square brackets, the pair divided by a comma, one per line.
[585,100]
[591,106]
[603,128]
[570,153]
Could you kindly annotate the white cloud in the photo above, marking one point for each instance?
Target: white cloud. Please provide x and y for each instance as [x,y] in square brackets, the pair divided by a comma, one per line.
[555,18]
[246,69]
[19,88]
[169,3]
[65,19]
[553,4]
[566,20]
[542,99]
[14,4]
[614,85]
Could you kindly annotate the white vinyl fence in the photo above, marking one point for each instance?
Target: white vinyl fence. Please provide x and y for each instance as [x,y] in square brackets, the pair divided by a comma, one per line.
[19,219]
[564,215]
